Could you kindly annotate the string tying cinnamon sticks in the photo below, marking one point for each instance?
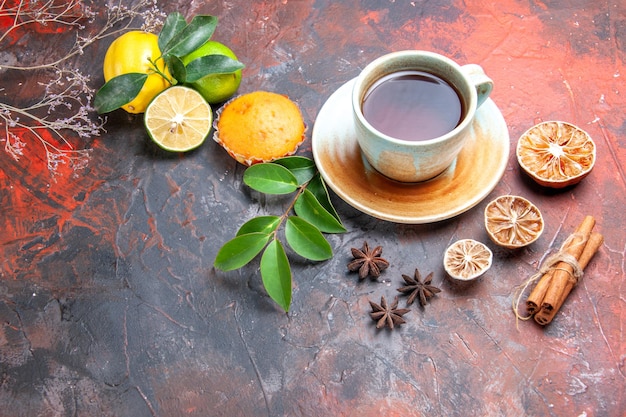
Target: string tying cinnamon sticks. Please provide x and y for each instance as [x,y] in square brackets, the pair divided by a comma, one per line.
[559,274]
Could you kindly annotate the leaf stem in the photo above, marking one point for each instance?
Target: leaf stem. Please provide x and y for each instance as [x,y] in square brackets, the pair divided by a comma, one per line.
[156,70]
[285,215]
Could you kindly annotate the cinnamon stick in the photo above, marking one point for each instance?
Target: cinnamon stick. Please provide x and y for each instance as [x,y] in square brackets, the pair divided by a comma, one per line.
[574,246]
[592,246]
[563,272]
[533,302]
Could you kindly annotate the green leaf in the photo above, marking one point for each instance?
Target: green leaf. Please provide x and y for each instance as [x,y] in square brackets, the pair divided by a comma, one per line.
[310,209]
[276,274]
[319,190]
[211,64]
[306,240]
[174,23]
[270,178]
[261,224]
[191,37]
[302,168]
[118,91]
[176,67]
[239,251]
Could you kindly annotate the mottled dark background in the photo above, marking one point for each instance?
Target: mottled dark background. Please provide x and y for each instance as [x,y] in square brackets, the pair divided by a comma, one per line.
[110,305]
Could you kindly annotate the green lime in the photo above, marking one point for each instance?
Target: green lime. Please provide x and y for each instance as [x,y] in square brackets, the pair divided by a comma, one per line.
[179,119]
[215,88]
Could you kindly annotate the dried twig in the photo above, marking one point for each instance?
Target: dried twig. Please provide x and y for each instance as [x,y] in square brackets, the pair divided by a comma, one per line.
[64,109]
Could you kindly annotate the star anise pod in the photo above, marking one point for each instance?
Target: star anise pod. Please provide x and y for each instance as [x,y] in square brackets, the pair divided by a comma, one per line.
[368,262]
[416,287]
[387,315]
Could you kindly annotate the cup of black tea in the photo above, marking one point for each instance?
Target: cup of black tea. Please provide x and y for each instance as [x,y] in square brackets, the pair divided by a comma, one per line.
[413,112]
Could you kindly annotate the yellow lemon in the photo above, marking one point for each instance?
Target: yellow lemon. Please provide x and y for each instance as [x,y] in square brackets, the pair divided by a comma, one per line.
[136,51]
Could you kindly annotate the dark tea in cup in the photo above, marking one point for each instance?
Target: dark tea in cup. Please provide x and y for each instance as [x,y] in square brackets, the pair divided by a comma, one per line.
[413,111]
[412,105]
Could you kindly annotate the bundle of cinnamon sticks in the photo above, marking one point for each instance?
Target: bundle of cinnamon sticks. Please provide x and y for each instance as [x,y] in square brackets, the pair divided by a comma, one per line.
[557,282]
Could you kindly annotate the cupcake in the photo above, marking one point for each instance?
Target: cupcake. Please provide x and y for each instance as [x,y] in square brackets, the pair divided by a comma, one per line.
[259,127]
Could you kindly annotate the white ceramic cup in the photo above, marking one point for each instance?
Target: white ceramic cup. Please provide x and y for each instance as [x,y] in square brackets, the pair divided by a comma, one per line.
[421,160]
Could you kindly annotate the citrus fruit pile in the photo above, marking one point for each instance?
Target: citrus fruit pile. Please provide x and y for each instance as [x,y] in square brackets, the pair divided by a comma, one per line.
[172,77]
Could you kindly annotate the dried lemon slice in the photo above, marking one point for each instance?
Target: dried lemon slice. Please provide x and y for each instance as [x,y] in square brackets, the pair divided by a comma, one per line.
[513,222]
[467,259]
[556,154]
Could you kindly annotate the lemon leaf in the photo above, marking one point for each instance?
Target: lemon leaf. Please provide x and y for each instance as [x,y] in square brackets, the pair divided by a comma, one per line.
[174,23]
[310,209]
[302,168]
[261,224]
[314,214]
[211,64]
[241,250]
[176,67]
[276,274]
[118,91]
[192,36]
[319,190]
[270,178]
[306,240]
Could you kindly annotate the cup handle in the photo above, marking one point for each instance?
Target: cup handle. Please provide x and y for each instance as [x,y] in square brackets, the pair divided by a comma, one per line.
[483,84]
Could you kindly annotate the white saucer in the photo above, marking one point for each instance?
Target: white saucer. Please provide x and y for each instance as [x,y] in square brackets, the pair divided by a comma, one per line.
[475,173]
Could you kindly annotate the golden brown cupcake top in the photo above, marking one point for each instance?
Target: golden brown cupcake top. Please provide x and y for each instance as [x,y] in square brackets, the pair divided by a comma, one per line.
[260,127]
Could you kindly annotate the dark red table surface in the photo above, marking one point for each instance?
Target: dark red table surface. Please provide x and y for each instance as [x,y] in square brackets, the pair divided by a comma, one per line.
[110,305]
